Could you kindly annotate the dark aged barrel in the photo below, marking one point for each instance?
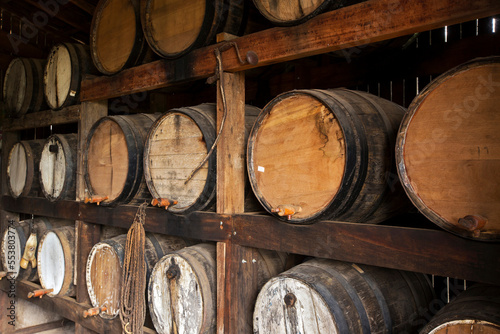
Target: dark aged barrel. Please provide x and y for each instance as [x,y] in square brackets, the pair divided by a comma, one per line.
[173,28]
[56,252]
[113,158]
[58,167]
[448,150]
[287,13]
[326,296]
[22,168]
[182,289]
[327,154]
[66,65]
[474,311]
[104,267]
[116,38]
[176,144]
[23,86]
[14,243]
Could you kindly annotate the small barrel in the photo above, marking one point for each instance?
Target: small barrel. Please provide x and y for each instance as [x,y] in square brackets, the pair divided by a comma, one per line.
[448,150]
[23,86]
[66,65]
[56,252]
[327,154]
[474,311]
[326,296]
[105,262]
[288,13]
[14,242]
[173,28]
[182,289]
[22,168]
[116,38]
[113,158]
[176,144]
[58,167]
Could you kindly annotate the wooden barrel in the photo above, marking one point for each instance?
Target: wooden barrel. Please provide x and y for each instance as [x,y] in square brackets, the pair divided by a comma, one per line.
[66,65]
[176,144]
[113,158]
[58,167]
[288,13]
[23,86]
[326,296]
[173,28]
[56,252]
[474,311]
[22,168]
[104,267]
[14,242]
[182,289]
[327,154]
[116,38]
[448,150]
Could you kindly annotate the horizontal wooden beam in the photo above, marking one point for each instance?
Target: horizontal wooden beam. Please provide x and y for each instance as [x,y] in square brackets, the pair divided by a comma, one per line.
[39,119]
[342,29]
[421,250]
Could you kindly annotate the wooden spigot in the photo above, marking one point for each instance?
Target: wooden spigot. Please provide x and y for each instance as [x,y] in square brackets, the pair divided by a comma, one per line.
[91,312]
[29,252]
[287,210]
[473,223]
[96,199]
[39,293]
[163,202]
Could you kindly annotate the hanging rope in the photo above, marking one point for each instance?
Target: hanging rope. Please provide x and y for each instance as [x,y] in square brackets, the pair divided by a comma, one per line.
[132,299]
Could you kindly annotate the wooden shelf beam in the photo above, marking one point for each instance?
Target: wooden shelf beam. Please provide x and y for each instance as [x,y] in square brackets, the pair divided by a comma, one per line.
[43,118]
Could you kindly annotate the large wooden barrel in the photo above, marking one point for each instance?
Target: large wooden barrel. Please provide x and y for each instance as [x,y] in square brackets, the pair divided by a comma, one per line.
[22,168]
[14,242]
[23,86]
[105,262]
[327,154]
[56,252]
[326,296]
[66,65]
[288,13]
[176,144]
[474,311]
[113,158]
[58,167]
[182,289]
[173,28]
[116,38]
[448,150]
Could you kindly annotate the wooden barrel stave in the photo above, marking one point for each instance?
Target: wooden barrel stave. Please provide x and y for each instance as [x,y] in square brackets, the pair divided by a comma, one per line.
[22,168]
[328,153]
[325,296]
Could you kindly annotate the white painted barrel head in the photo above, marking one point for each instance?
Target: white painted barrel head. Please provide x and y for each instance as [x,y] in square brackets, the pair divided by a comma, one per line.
[51,262]
[53,167]
[57,77]
[17,169]
[11,252]
[15,85]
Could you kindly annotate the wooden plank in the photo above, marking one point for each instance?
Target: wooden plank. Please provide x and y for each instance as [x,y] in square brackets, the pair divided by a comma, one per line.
[336,30]
[39,119]
[41,328]
[422,250]
[41,207]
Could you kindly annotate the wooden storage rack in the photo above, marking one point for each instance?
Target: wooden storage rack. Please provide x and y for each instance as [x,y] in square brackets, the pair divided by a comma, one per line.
[430,251]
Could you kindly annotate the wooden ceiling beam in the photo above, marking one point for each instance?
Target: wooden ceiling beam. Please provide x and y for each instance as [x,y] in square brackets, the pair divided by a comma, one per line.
[84,5]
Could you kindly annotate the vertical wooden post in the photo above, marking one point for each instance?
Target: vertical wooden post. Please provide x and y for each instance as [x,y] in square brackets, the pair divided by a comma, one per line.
[87,234]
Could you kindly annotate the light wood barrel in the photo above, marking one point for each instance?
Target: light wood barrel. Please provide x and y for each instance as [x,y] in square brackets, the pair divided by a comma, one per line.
[474,311]
[14,242]
[66,65]
[56,252]
[182,289]
[105,262]
[448,150]
[22,168]
[329,154]
[113,158]
[116,38]
[173,28]
[176,144]
[58,167]
[23,86]
[287,13]
[326,296]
